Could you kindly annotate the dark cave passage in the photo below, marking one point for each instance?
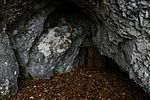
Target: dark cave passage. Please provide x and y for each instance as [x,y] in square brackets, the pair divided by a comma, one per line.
[67,10]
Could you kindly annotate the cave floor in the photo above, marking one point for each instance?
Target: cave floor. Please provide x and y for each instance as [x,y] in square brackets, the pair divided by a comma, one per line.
[83,83]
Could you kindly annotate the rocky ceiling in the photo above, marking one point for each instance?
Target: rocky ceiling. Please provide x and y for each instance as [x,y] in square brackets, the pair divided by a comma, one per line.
[119,28]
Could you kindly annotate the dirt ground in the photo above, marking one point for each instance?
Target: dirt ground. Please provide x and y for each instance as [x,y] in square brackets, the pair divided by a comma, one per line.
[83,83]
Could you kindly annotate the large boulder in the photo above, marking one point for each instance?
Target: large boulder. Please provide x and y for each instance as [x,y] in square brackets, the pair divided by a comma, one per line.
[55,50]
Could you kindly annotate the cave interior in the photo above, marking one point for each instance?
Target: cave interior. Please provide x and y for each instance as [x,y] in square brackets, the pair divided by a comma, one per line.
[77,20]
[72,13]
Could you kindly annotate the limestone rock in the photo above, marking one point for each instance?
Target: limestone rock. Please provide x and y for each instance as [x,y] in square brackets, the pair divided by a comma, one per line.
[124,37]
[8,66]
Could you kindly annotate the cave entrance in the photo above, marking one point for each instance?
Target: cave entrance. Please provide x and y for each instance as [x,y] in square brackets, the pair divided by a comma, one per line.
[74,15]
[88,55]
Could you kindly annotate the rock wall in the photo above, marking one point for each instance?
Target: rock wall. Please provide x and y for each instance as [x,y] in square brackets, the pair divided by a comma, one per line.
[122,33]
[8,64]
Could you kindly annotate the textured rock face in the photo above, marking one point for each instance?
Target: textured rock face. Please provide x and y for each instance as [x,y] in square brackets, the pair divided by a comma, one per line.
[123,29]
[8,65]
[125,37]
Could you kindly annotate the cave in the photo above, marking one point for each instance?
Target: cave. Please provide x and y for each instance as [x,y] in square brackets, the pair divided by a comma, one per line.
[56,48]
[68,11]
[41,39]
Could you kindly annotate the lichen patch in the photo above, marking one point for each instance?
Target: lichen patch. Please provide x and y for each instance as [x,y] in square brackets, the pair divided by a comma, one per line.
[56,41]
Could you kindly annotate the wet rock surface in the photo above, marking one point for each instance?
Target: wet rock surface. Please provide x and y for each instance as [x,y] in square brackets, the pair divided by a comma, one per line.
[83,83]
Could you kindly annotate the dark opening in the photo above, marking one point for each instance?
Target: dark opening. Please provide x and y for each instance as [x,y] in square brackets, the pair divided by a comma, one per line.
[90,56]
[66,10]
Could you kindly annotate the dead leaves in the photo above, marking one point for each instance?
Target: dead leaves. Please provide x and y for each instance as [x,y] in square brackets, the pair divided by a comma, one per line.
[86,83]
